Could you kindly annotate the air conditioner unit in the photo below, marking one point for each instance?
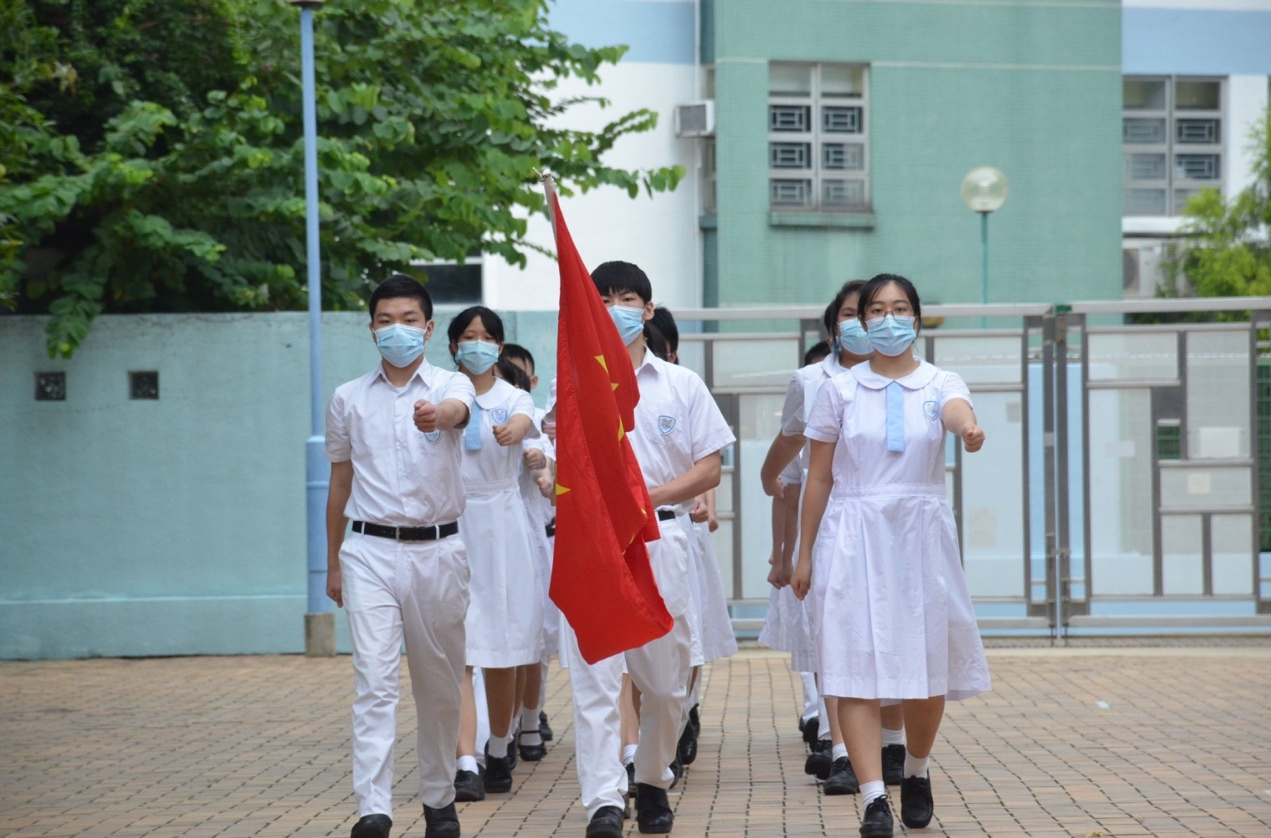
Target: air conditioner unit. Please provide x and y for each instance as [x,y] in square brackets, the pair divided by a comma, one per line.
[696,119]
[1142,274]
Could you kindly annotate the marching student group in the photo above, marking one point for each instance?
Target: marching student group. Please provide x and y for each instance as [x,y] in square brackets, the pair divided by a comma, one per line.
[440,527]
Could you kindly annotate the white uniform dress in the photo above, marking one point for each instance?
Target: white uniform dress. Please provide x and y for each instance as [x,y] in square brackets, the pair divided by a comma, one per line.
[785,628]
[677,424]
[505,627]
[711,624]
[889,593]
[541,513]
[788,626]
[395,591]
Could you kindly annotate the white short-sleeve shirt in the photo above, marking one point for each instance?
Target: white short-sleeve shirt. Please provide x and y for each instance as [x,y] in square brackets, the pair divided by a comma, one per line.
[401,476]
[801,394]
[493,462]
[852,412]
[677,422]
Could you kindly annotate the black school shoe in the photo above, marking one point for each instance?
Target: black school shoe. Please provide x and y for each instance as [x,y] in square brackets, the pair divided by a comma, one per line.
[606,823]
[686,750]
[893,764]
[810,729]
[544,729]
[498,774]
[842,779]
[821,760]
[512,750]
[468,786]
[653,811]
[631,783]
[441,823]
[916,807]
[372,826]
[877,822]
[532,753]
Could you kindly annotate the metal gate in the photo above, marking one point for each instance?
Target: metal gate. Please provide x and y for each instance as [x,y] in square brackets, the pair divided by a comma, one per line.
[1125,487]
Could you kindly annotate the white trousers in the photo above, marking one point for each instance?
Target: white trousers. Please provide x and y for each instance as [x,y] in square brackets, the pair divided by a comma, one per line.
[660,669]
[416,592]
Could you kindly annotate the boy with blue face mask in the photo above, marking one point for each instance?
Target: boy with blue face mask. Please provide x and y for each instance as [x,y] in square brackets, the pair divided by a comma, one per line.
[395,442]
[678,435]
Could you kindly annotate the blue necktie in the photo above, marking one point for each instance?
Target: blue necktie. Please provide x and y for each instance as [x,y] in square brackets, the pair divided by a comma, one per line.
[895,417]
[472,433]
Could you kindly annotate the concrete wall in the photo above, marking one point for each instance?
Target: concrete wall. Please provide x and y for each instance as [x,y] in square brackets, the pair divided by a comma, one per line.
[1033,89]
[174,526]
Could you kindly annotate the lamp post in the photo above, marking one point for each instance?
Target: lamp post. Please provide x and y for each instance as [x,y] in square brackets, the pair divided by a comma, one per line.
[984,190]
[319,618]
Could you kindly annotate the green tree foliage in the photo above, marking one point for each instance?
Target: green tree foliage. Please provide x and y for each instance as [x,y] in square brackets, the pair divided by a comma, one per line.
[1226,251]
[153,159]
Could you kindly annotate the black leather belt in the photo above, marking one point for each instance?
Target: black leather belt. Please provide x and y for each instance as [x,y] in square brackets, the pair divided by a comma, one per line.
[407,533]
[550,528]
[666,514]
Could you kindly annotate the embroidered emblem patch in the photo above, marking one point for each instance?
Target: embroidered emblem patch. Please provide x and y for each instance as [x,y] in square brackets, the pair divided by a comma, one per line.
[931,409]
[666,424]
[499,415]
[433,436]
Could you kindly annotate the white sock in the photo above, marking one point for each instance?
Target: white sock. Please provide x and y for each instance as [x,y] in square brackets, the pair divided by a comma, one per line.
[893,737]
[840,751]
[529,726]
[468,762]
[871,791]
[810,695]
[628,754]
[915,767]
[498,745]
[824,714]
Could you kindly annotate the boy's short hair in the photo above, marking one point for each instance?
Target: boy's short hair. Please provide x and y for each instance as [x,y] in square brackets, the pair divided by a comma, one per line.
[516,352]
[617,277]
[664,321]
[401,285]
[819,351]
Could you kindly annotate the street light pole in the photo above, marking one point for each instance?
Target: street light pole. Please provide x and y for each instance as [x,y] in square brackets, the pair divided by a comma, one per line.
[319,618]
[984,191]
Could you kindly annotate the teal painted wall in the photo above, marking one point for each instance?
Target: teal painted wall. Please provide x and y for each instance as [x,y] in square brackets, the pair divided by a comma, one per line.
[1031,88]
[174,526]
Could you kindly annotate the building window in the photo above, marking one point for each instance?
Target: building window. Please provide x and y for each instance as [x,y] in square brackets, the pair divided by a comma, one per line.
[708,176]
[1171,138]
[818,148]
[450,283]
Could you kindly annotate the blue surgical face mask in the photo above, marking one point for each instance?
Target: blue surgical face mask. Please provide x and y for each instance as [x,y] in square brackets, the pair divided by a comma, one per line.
[853,338]
[400,344]
[630,322]
[891,335]
[477,355]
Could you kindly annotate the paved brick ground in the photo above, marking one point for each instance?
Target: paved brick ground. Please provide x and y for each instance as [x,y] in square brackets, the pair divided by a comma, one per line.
[1088,742]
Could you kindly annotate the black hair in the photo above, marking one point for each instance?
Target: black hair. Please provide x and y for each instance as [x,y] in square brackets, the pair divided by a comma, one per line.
[831,316]
[516,352]
[617,277]
[664,321]
[492,322]
[656,341]
[401,285]
[818,352]
[511,373]
[877,283]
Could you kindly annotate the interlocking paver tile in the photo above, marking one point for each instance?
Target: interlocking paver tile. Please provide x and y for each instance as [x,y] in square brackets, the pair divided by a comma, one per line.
[1112,741]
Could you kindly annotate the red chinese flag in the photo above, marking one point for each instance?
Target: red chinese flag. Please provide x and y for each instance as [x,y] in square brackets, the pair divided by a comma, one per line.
[601,579]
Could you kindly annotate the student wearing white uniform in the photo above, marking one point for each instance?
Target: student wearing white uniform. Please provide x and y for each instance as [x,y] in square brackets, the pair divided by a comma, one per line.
[393,441]
[678,435]
[827,757]
[880,551]
[504,627]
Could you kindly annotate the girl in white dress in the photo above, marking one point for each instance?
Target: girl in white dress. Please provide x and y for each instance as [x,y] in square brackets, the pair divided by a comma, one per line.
[504,627]
[879,552]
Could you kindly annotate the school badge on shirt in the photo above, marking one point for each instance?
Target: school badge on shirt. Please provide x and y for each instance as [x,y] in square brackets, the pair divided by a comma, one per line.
[433,437]
[666,424]
[499,415]
[931,409]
